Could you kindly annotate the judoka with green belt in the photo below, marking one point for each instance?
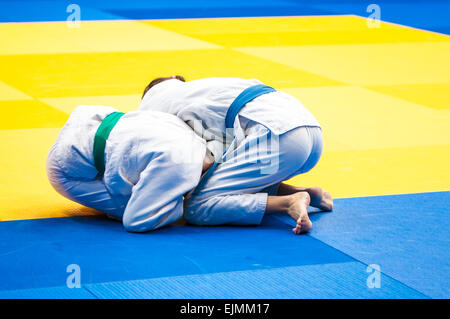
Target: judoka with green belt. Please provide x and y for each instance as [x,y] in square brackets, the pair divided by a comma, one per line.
[135,167]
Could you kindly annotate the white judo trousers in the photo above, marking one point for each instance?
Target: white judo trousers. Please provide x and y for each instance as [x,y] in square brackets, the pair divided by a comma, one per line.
[151,160]
[274,138]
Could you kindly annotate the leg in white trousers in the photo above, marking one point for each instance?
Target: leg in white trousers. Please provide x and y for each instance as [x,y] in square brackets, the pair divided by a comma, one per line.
[237,191]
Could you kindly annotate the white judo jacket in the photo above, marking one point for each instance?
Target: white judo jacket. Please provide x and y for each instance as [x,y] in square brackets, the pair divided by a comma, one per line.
[203,104]
[151,160]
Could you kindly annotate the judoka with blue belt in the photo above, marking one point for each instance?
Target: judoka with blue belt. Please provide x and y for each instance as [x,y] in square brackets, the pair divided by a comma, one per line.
[259,138]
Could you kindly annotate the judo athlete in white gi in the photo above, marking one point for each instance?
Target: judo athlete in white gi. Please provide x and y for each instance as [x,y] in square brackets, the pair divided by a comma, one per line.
[268,137]
[133,167]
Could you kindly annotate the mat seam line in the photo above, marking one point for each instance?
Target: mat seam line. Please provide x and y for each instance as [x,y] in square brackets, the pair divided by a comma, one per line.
[87,289]
[387,275]
[360,261]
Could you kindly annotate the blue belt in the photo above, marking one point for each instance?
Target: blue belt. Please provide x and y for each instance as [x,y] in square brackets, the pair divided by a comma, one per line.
[246,96]
[241,100]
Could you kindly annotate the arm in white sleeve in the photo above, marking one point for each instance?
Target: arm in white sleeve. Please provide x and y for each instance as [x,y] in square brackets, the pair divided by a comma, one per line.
[243,209]
[157,198]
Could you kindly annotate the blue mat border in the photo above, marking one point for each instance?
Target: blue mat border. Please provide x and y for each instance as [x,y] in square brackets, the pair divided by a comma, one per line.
[425,15]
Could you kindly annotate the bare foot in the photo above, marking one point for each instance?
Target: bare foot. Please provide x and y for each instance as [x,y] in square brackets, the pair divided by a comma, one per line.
[320,198]
[298,210]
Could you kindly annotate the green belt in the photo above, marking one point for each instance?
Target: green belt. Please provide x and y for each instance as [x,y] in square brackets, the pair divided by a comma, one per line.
[100,138]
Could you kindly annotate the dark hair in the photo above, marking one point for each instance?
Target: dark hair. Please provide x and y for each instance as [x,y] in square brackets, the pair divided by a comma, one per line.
[162,79]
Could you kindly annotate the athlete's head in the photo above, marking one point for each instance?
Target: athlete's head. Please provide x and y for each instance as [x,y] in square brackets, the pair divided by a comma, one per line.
[162,79]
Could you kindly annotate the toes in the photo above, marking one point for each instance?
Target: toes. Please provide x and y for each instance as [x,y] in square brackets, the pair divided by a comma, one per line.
[302,227]
[326,204]
[306,229]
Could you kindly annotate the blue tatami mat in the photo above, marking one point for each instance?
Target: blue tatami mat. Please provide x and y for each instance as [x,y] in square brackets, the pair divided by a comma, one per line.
[337,281]
[48,293]
[342,280]
[36,253]
[21,11]
[408,236]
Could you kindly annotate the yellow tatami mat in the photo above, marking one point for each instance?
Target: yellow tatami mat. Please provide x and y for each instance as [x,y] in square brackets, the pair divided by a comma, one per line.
[381,94]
